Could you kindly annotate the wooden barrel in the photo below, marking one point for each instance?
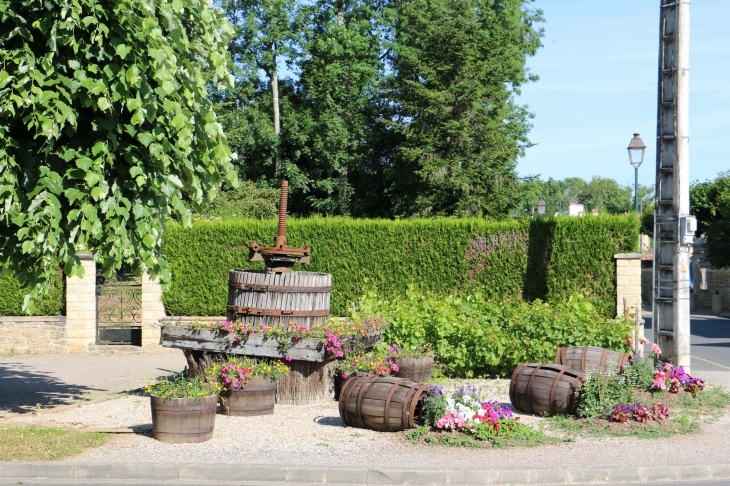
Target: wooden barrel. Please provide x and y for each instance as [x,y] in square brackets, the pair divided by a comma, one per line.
[545,388]
[276,299]
[382,403]
[416,369]
[181,420]
[256,398]
[581,358]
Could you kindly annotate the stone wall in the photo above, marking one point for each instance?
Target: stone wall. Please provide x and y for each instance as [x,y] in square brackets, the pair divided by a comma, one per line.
[718,280]
[41,334]
[628,281]
[81,307]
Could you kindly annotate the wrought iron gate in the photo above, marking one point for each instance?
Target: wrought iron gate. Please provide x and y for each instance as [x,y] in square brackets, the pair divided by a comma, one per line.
[119,309]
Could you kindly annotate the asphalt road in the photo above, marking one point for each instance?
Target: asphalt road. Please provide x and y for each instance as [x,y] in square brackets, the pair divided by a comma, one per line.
[82,482]
[709,346]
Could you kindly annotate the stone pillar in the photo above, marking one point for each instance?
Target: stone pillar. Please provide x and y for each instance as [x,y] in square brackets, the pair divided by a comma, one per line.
[152,311]
[81,307]
[628,281]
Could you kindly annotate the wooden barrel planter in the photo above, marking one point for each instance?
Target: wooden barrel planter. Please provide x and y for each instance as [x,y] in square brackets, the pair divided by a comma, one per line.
[179,420]
[382,403]
[415,369]
[581,358]
[256,398]
[545,388]
[277,299]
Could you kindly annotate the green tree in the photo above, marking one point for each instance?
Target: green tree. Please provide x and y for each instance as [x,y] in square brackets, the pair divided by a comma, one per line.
[606,195]
[341,42]
[106,127]
[710,203]
[457,66]
[265,37]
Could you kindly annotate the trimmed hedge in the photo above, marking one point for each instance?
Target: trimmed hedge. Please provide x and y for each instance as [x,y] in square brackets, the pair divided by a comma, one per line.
[548,259]
[12,295]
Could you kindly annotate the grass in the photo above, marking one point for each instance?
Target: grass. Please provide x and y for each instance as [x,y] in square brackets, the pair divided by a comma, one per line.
[47,444]
[523,436]
[688,413]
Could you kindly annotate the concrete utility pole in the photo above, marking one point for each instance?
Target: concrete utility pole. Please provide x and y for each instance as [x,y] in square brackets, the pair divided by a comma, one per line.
[673,226]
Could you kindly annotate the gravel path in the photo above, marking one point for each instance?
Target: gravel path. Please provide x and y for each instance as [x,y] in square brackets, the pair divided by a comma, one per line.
[313,435]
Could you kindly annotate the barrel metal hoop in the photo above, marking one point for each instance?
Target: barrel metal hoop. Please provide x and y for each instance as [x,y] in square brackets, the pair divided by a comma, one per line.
[559,355]
[414,403]
[603,358]
[583,359]
[565,355]
[255,311]
[277,288]
[345,397]
[578,377]
[359,399]
[387,403]
[412,389]
[513,383]
[552,390]
[529,387]
[622,361]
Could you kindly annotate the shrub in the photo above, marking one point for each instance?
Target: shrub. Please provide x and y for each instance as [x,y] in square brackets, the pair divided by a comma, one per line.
[12,294]
[546,259]
[471,336]
[248,201]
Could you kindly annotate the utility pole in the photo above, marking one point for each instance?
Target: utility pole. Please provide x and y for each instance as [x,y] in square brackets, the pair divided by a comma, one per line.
[673,226]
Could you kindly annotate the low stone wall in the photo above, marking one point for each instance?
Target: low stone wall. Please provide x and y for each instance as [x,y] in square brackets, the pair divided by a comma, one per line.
[718,280]
[41,334]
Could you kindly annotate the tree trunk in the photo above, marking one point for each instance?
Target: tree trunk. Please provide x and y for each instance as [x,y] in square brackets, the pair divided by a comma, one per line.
[275,98]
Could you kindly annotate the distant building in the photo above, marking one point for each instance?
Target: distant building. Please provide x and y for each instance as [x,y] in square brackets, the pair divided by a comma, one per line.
[576,209]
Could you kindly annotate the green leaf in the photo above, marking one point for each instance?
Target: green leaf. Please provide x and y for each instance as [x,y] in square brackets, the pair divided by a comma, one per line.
[103,104]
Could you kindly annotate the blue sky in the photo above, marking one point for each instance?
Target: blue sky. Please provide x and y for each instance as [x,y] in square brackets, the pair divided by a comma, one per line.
[598,85]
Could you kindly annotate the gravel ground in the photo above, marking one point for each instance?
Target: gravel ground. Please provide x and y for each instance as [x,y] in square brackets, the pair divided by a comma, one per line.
[313,435]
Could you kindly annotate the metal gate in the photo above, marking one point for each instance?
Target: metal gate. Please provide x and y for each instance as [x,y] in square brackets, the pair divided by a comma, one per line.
[119,309]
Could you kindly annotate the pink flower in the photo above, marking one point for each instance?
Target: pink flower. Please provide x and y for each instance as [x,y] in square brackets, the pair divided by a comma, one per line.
[235,383]
[344,376]
[228,379]
[656,349]
[288,358]
[667,367]
[643,340]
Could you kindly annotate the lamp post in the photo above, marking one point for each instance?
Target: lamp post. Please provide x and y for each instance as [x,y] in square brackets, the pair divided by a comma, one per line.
[541,207]
[636,156]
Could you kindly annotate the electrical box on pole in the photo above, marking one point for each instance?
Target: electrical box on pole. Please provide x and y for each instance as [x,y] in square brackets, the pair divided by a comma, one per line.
[673,226]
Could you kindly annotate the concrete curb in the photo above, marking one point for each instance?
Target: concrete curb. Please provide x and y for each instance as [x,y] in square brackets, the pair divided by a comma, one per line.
[356,476]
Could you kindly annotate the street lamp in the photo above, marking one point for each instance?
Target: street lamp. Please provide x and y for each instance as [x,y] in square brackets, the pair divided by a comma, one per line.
[636,157]
[541,207]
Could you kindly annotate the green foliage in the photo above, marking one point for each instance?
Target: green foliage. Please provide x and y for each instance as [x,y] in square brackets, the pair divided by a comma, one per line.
[457,66]
[434,407]
[471,336]
[602,390]
[182,387]
[12,294]
[247,201]
[641,372]
[106,127]
[545,259]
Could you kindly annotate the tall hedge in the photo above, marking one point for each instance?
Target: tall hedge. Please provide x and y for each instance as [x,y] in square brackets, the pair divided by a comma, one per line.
[543,258]
[12,294]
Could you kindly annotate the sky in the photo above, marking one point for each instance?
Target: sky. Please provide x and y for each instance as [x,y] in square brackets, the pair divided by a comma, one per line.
[598,86]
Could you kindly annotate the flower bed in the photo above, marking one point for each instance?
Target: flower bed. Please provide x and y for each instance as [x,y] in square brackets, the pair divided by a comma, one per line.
[464,419]
[334,339]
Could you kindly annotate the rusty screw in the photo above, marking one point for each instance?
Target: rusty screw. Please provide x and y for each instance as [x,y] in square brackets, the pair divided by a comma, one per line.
[280,240]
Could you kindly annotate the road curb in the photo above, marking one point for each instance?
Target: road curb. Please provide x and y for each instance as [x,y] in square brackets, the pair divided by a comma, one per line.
[357,476]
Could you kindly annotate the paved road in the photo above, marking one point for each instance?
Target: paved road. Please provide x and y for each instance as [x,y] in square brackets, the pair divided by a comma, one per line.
[81,482]
[47,381]
[709,345]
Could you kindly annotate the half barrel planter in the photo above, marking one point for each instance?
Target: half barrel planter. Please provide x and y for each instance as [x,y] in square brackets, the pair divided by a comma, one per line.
[258,397]
[581,358]
[415,369]
[382,403]
[180,420]
[545,388]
